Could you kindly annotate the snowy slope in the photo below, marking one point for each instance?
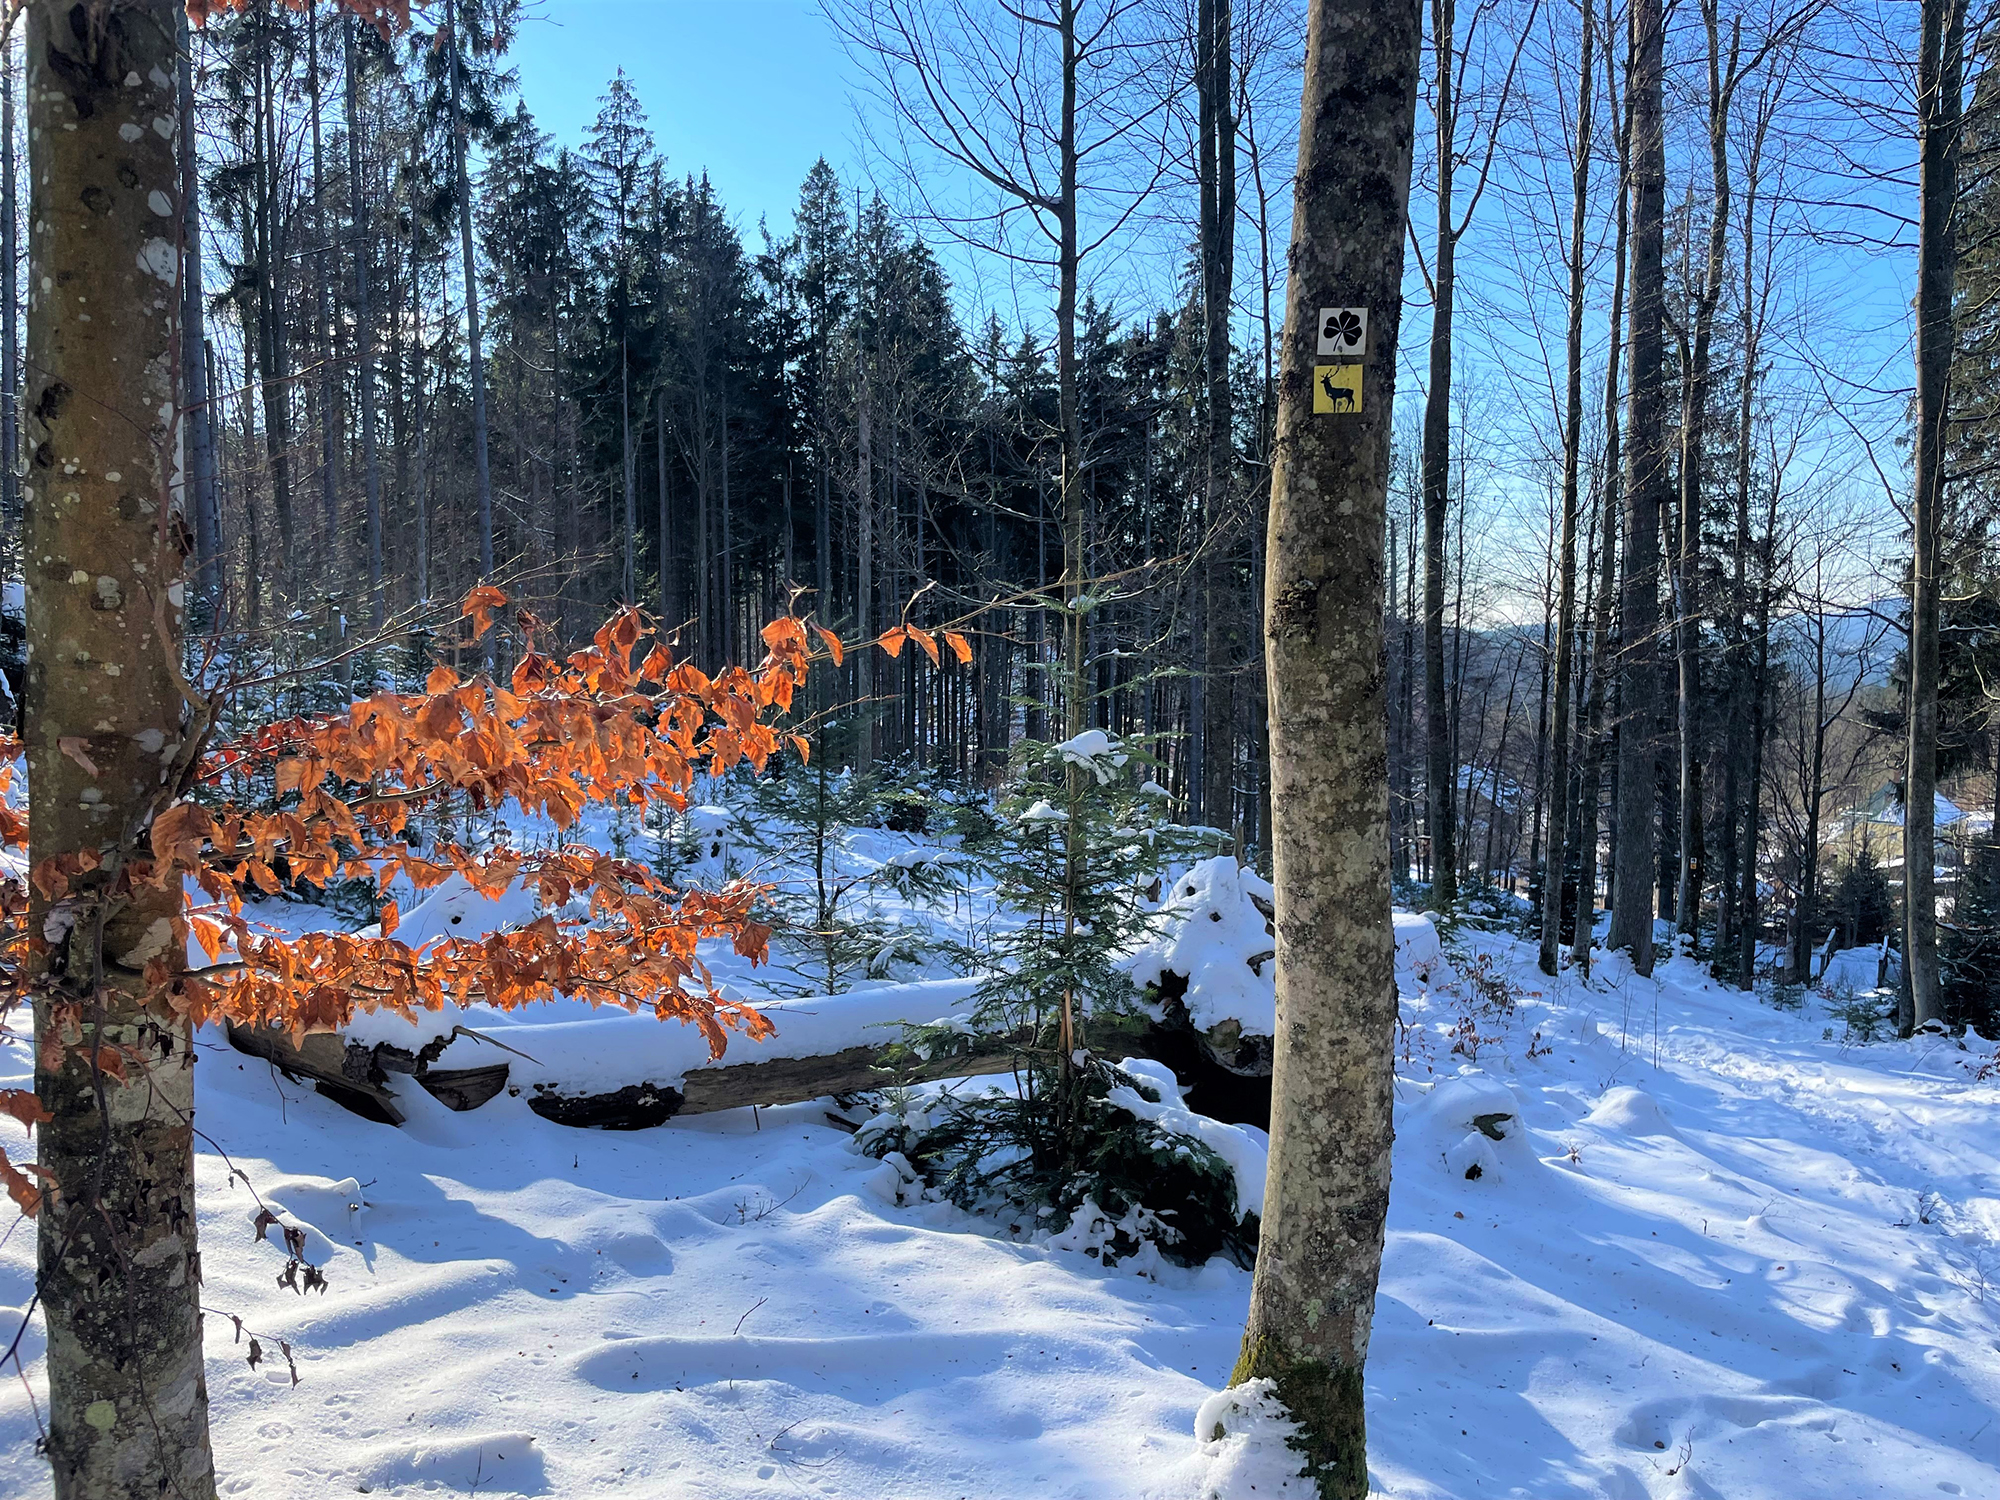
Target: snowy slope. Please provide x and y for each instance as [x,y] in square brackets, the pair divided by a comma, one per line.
[1758,1270]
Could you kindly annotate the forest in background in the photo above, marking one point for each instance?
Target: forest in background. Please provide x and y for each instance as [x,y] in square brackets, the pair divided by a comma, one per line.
[647,400]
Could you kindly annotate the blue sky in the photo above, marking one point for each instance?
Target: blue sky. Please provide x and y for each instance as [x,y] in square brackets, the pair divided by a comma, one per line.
[750,90]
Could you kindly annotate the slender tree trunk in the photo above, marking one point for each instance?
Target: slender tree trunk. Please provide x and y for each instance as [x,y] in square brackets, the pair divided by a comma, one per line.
[1213,57]
[1600,649]
[270,337]
[482,477]
[1326,1204]
[118,1272]
[329,473]
[10,333]
[1645,478]
[199,432]
[364,332]
[1441,762]
[1558,861]
[1941,65]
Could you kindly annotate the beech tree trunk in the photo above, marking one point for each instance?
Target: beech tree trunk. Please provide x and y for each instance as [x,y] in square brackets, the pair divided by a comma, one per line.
[1215,800]
[1441,758]
[364,330]
[482,478]
[1327,1198]
[1558,860]
[119,1277]
[1941,65]
[1645,481]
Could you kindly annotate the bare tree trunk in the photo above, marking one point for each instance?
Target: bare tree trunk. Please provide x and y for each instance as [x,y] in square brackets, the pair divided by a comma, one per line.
[364,333]
[270,338]
[1327,1197]
[1941,66]
[199,433]
[482,477]
[329,473]
[10,368]
[119,1276]
[1215,802]
[1645,478]
[1557,863]
[1440,762]
[1600,648]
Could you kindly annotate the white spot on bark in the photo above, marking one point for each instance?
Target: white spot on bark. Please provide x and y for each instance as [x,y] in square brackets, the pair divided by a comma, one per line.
[163,127]
[150,740]
[111,669]
[158,202]
[102,1415]
[90,796]
[176,593]
[107,591]
[131,79]
[114,476]
[79,576]
[152,945]
[158,258]
[129,132]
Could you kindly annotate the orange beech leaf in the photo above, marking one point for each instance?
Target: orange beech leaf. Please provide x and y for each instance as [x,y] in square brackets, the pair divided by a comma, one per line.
[930,646]
[22,1191]
[23,1105]
[804,746]
[892,640]
[441,679]
[481,605]
[391,919]
[960,647]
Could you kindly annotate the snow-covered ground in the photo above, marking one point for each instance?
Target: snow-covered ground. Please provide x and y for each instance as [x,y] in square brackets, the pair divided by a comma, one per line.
[1729,1255]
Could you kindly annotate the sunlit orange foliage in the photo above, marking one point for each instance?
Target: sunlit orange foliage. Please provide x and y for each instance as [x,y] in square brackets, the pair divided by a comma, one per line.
[335,801]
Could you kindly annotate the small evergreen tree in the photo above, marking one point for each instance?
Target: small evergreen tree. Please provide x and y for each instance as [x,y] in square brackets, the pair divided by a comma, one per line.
[1970,956]
[1077,854]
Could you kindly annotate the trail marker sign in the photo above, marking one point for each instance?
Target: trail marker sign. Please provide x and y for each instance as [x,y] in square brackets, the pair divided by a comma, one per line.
[1343,332]
[1336,389]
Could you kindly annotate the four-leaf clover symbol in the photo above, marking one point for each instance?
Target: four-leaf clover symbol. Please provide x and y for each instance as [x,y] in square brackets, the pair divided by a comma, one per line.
[1342,325]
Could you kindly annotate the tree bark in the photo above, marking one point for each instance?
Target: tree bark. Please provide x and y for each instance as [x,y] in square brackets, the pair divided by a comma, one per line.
[364,333]
[119,1276]
[1440,765]
[1558,859]
[1941,65]
[1645,480]
[1213,55]
[1312,1300]
[482,477]
[203,503]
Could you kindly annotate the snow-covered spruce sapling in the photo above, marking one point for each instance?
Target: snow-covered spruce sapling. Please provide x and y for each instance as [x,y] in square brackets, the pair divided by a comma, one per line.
[823,897]
[1081,841]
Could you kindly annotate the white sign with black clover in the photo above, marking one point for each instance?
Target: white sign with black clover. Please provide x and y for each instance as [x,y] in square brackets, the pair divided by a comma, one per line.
[1343,332]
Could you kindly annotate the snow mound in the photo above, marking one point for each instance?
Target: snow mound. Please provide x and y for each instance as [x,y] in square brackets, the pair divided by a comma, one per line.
[1245,1148]
[1630,1111]
[1243,1448]
[1213,931]
[1473,1124]
[1420,959]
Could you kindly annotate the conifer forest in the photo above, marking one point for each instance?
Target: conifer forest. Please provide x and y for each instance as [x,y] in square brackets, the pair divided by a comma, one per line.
[1197,749]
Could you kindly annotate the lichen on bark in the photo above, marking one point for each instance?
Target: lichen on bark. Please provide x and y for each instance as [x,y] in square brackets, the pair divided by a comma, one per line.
[1320,1249]
[119,1274]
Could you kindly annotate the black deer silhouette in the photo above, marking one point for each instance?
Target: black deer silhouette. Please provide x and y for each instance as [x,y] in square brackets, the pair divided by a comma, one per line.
[1341,397]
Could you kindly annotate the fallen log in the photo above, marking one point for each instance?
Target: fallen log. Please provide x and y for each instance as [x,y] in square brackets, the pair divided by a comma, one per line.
[356,1076]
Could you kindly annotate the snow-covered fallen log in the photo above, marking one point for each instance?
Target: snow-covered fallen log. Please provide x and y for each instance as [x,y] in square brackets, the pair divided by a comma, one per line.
[1208,1004]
